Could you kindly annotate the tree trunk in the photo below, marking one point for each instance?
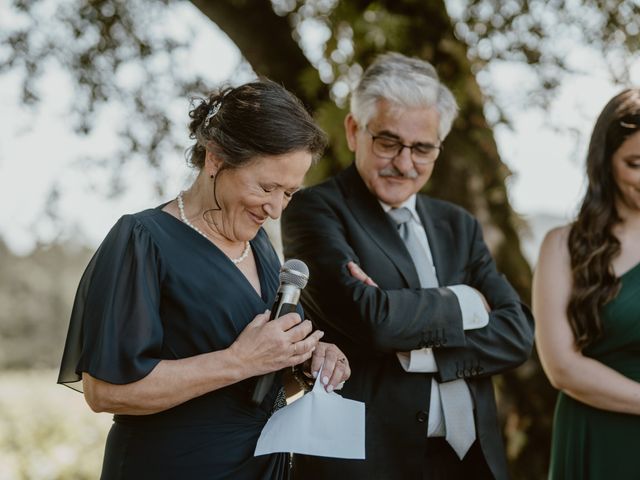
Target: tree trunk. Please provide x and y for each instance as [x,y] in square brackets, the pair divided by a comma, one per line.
[264,39]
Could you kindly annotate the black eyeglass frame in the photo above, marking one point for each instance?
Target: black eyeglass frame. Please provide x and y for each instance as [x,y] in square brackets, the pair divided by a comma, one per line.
[401,146]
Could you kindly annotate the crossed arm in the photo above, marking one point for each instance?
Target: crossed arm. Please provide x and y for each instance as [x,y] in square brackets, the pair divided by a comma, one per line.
[400,319]
[474,309]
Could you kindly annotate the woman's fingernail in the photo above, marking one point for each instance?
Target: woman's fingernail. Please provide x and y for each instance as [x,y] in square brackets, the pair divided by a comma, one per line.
[315,374]
[330,388]
[325,380]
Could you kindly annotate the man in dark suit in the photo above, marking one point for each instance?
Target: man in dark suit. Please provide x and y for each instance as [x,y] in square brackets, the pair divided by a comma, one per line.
[406,286]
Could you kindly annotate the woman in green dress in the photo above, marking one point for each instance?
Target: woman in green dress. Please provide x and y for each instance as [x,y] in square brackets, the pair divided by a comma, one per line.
[586,301]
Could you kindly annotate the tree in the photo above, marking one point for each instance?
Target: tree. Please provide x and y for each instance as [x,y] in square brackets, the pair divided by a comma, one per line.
[104,39]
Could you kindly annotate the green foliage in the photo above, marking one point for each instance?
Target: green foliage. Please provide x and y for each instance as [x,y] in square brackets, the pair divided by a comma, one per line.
[118,55]
[540,33]
[331,118]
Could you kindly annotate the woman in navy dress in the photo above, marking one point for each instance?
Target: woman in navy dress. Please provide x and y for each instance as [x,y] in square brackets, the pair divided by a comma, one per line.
[170,329]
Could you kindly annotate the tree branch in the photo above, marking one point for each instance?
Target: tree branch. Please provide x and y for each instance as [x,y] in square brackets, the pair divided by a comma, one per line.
[263,37]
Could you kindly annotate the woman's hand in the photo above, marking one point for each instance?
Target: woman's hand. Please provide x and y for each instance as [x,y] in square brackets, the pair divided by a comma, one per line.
[266,346]
[334,364]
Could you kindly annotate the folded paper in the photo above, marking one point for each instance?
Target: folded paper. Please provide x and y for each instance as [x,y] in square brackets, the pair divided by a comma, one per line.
[320,423]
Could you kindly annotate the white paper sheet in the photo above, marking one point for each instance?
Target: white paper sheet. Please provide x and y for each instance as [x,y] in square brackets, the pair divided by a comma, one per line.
[319,423]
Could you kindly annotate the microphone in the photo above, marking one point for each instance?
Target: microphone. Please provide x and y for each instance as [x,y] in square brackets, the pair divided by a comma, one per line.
[294,275]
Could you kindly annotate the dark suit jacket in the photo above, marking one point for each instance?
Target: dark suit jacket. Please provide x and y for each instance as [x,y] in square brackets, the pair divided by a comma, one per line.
[327,226]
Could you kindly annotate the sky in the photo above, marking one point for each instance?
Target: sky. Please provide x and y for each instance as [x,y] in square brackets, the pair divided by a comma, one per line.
[38,149]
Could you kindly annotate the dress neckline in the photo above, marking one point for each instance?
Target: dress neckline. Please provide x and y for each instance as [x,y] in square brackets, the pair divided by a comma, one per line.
[635,267]
[254,250]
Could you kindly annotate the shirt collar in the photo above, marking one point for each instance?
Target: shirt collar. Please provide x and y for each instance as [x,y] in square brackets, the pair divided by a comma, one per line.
[409,203]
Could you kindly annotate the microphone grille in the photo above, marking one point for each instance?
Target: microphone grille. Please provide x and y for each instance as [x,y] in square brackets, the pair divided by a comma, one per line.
[294,272]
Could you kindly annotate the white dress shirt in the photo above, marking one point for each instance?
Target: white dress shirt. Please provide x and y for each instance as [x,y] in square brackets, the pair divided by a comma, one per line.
[474,315]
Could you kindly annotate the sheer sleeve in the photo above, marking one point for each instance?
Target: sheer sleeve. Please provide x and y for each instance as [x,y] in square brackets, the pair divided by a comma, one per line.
[115,332]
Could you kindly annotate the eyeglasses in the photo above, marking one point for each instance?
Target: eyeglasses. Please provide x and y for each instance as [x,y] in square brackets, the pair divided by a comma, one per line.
[389,148]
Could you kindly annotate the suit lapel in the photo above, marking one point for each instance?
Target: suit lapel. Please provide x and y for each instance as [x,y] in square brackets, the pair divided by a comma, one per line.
[369,214]
[438,234]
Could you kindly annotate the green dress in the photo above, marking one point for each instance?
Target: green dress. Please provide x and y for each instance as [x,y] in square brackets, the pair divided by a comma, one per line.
[589,443]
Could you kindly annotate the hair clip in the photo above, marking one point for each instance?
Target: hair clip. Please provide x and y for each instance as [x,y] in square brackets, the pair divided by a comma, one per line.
[215,108]
[630,121]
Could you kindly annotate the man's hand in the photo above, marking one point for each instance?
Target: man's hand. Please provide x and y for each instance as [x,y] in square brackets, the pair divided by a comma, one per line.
[358,273]
[484,300]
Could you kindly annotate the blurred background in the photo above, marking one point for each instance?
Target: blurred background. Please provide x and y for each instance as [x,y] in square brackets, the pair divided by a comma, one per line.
[94,98]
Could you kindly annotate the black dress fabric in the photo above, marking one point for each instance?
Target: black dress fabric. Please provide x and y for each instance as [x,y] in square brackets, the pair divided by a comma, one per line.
[156,289]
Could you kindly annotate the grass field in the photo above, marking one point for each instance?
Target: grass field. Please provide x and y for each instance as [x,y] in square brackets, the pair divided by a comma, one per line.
[46,430]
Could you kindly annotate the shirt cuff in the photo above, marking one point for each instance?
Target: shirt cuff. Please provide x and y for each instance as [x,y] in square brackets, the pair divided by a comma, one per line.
[422,361]
[474,313]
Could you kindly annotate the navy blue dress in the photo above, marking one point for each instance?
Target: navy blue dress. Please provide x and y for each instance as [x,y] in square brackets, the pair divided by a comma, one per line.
[156,289]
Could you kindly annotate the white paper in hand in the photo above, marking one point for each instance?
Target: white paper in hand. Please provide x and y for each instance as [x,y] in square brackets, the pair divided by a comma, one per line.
[319,423]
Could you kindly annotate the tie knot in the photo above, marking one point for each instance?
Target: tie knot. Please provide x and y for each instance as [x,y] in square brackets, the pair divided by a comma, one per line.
[400,215]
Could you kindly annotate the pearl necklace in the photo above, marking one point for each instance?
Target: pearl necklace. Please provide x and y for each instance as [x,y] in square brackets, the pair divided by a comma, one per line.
[247,245]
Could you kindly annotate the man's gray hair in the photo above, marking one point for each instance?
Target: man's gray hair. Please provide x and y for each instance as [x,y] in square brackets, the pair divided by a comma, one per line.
[405,81]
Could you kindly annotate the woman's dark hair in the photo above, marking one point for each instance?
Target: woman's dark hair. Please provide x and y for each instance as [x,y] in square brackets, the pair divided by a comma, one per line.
[256,119]
[592,244]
